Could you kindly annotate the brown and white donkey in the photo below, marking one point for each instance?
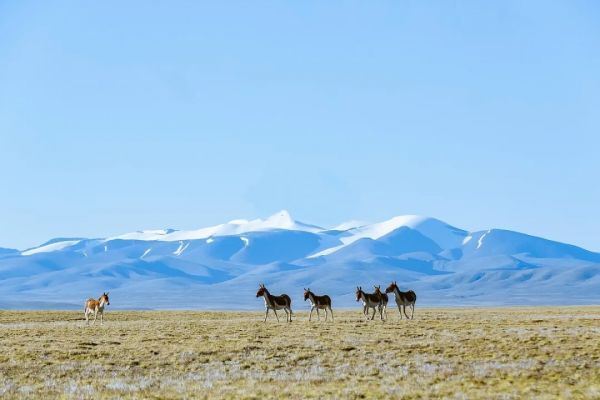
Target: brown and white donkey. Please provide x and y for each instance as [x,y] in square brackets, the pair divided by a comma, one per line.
[93,306]
[403,299]
[275,303]
[370,300]
[384,300]
[318,302]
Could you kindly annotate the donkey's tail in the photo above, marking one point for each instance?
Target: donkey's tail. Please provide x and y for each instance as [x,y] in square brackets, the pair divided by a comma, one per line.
[85,305]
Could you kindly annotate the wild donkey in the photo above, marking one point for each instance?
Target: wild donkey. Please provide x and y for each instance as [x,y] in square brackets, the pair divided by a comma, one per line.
[318,302]
[384,300]
[275,303]
[403,299]
[369,300]
[96,307]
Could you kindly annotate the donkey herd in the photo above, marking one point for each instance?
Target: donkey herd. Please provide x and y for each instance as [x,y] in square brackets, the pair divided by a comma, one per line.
[377,301]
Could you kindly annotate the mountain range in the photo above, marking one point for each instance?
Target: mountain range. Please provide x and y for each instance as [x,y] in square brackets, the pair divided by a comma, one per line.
[220,267]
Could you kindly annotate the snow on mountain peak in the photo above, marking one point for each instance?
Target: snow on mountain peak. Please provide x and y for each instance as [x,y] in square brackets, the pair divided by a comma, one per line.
[279,220]
[149,234]
[54,246]
[344,226]
[446,236]
[238,221]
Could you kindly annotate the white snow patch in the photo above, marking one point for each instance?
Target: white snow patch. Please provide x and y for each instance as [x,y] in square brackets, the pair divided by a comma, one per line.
[146,252]
[151,234]
[480,241]
[329,250]
[238,221]
[245,240]
[181,248]
[50,247]
[344,226]
[210,240]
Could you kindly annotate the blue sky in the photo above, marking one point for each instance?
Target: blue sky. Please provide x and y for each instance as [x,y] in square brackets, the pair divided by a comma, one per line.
[119,116]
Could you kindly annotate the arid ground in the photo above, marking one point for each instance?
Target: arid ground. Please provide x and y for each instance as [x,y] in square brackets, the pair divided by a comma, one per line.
[502,353]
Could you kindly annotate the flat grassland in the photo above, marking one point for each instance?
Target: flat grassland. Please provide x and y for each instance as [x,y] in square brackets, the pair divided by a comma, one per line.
[537,352]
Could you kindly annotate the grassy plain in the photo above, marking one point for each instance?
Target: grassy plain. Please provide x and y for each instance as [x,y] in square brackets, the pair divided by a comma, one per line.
[489,353]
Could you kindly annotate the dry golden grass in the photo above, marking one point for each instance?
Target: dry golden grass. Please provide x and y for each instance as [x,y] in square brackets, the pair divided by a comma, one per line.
[444,353]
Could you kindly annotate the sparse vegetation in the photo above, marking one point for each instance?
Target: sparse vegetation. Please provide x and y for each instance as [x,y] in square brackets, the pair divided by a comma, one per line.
[446,353]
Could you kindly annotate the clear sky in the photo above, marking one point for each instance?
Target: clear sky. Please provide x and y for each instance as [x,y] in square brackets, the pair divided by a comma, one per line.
[118,116]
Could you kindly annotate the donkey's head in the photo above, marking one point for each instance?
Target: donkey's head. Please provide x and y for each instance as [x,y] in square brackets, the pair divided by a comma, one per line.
[377,289]
[261,290]
[104,299]
[306,293]
[392,287]
[359,293]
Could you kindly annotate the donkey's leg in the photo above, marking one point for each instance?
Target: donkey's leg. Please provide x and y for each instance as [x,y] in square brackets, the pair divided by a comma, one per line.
[290,310]
[331,311]
[325,310]
[266,315]
[310,316]
[400,309]
[102,318]
[95,316]
[365,312]
[404,307]
[87,318]
[318,315]
[374,311]
[412,315]
[276,316]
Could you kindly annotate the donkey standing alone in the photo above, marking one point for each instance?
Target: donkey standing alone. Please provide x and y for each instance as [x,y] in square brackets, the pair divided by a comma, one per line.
[275,303]
[96,307]
[318,302]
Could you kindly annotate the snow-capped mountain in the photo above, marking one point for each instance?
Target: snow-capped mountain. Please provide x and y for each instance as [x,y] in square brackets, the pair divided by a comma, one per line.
[280,220]
[221,266]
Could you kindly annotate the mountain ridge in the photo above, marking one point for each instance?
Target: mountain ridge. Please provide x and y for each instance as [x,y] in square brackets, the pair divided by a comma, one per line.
[446,265]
